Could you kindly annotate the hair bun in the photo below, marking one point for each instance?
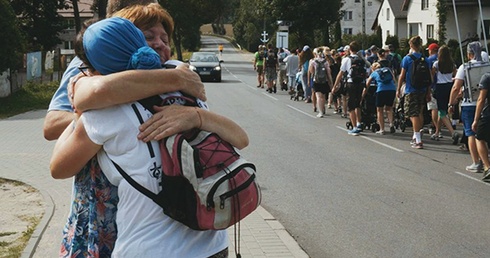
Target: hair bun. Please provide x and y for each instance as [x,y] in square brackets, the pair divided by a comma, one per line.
[144,58]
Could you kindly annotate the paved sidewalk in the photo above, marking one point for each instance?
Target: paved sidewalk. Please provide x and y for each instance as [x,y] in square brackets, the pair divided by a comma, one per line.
[24,156]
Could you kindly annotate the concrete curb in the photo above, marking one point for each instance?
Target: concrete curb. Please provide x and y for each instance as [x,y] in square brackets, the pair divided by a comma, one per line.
[41,227]
[290,242]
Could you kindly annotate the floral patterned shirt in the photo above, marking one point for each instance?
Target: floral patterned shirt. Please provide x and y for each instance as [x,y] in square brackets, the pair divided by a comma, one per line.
[91,227]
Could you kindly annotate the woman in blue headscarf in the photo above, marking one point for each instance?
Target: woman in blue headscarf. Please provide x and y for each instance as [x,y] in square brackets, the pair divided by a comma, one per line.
[114,45]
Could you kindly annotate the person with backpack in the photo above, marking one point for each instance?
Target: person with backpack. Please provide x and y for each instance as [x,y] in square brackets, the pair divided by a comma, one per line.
[468,105]
[271,67]
[143,229]
[355,67]
[259,58]
[320,76]
[416,75]
[395,60]
[385,94]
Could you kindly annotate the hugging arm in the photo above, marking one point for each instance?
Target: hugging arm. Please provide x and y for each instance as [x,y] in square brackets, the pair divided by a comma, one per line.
[174,119]
[96,92]
[72,151]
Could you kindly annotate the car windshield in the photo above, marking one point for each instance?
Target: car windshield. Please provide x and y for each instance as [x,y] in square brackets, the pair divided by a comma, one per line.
[204,58]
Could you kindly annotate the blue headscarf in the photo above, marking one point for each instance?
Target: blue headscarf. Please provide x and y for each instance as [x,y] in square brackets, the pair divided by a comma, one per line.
[116,44]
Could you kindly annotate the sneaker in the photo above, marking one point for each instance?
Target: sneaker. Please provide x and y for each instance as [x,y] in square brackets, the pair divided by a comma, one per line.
[354,132]
[329,106]
[320,115]
[336,111]
[419,145]
[474,168]
[486,175]
[344,115]
[413,141]
[359,128]
[455,138]
[392,129]
[381,132]
[434,137]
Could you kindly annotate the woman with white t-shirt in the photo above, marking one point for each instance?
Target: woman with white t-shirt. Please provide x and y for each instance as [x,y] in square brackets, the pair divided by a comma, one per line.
[143,229]
[444,70]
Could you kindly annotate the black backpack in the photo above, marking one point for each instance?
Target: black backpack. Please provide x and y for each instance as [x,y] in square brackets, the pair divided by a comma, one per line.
[320,75]
[271,59]
[358,69]
[385,75]
[419,73]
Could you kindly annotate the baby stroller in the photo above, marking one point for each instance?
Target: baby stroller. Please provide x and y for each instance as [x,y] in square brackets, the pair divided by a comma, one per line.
[368,111]
[298,93]
[400,121]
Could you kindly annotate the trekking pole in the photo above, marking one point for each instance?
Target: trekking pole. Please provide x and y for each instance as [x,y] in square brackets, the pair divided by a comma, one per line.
[483,26]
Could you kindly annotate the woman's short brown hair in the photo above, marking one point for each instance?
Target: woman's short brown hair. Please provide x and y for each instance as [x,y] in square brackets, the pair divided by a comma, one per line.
[147,16]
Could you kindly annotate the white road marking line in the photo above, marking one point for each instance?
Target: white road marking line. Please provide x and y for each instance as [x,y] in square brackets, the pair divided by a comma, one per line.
[301,111]
[470,177]
[375,141]
[268,95]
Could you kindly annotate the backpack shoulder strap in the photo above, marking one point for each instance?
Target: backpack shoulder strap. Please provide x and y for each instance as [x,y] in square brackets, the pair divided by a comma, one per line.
[135,184]
[149,102]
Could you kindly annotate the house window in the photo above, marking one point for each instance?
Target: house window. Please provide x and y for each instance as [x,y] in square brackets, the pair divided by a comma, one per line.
[486,29]
[68,44]
[70,24]
[348,16]
[370,3]
[425,4]
[430,31]
[357,1]
[348,31]
[388,32]
[387,14]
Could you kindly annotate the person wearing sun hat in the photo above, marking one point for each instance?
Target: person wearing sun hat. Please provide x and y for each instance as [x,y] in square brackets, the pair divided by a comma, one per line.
[109,46]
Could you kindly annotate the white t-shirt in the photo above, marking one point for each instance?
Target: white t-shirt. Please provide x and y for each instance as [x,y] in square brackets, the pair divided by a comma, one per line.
[143,229]
[442,77]
[460,75]
[346,65]
[292,65]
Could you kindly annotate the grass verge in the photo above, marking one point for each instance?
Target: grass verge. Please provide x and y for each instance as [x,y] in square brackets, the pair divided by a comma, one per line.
[31,96]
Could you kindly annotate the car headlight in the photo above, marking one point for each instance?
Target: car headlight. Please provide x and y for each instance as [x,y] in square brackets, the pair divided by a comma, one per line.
[193,68]
[217,68]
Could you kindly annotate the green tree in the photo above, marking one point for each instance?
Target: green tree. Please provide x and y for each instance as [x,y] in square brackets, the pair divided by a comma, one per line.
[40,21]
[12,43]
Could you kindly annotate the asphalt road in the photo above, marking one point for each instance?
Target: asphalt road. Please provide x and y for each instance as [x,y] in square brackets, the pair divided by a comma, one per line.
[352,196]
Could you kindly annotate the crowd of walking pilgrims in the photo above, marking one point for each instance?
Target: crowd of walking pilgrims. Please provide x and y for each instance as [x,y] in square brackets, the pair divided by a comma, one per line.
[426,92]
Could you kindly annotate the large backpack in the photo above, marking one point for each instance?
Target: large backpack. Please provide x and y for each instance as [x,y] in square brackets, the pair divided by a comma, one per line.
[206,184]
[320,73]
[419,73]
[394,63]
[385,74]
[358,69]
[271,59]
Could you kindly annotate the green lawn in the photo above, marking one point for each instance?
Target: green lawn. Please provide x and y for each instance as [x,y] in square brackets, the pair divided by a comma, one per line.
[32,96]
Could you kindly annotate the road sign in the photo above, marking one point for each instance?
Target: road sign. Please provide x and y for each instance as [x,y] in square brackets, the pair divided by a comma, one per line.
[282,38]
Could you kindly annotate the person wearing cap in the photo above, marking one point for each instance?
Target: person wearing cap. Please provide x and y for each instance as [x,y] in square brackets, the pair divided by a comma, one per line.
[109,46]
[304,63]
[468,105]
[373,57]
[432,104]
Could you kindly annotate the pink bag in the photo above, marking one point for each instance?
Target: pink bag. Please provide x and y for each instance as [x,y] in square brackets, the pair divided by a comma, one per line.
[206,183]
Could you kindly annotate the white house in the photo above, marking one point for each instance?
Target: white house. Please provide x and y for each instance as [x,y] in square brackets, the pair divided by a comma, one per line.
[359,15]
[422,19]
[391,19]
